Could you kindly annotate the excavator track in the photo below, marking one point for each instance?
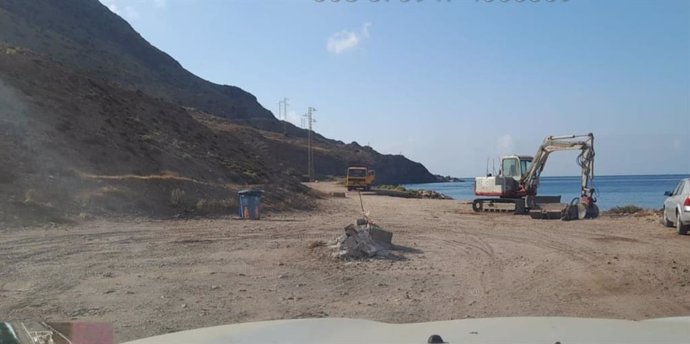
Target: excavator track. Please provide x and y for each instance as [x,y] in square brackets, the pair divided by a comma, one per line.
[489,205]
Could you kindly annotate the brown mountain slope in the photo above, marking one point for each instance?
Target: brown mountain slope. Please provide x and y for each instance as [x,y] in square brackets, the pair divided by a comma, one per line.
[77,146]
[331,158]
[86,35]
[72,144]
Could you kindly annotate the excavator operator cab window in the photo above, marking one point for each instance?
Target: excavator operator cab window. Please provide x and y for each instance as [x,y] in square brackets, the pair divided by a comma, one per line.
[511,168]
[524,166]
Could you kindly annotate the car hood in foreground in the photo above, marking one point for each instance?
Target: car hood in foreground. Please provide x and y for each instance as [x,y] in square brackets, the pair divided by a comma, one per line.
[490,330]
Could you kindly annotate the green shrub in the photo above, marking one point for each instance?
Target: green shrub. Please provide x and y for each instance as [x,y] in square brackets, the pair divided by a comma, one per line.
[626,209]
[392,187]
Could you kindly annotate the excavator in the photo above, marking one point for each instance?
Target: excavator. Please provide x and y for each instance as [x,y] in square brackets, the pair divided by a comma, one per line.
[518,180]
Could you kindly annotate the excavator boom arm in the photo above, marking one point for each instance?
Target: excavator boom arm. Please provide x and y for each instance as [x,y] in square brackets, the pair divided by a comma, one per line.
[584,143]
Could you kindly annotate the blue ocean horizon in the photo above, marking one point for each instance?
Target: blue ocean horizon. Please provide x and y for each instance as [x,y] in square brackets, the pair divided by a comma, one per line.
[646,191]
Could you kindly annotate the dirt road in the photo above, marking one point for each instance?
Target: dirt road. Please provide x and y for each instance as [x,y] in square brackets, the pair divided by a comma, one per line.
[153,277]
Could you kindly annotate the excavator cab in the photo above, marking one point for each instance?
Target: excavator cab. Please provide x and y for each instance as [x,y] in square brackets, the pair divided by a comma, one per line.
[515,166]
[506,184]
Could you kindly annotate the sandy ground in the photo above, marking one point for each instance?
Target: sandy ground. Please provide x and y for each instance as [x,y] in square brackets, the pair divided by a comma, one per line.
[154,277]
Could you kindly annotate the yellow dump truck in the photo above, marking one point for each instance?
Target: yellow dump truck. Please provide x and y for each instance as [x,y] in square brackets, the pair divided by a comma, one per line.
[359,178]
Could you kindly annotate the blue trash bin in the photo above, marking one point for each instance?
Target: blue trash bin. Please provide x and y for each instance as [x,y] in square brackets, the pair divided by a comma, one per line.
[250,204]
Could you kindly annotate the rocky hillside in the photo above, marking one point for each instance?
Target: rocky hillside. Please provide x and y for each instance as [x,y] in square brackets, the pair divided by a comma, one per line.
[86,35]
[95,120]
[76,146]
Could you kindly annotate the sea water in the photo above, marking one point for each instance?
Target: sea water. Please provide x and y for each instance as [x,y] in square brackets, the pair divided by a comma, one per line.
[646,191]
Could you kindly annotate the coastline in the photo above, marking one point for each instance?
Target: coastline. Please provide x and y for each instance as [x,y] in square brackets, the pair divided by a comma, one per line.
[645,191]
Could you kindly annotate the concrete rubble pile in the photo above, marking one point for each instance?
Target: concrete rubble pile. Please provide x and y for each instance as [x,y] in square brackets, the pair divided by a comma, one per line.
[363,240]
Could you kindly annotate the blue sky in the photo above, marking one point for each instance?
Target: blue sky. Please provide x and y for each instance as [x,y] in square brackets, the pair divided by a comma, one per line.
[452,83]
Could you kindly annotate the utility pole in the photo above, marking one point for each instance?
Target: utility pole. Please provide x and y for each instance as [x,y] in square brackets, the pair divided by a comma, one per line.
[310,153]
[282,108]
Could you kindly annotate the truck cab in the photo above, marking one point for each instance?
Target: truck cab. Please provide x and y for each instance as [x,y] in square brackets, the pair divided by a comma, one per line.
[359,178]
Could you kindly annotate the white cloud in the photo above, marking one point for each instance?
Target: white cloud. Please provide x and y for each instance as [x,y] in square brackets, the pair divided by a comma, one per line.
[346,40]
[113,8]
[505,144]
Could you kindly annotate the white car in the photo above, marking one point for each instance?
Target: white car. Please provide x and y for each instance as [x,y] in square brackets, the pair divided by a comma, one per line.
[677,207]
